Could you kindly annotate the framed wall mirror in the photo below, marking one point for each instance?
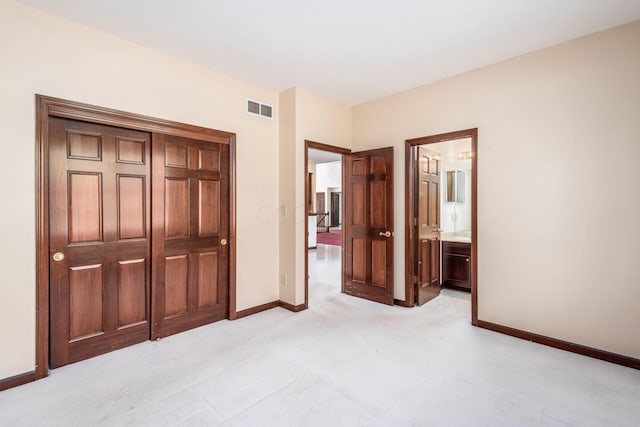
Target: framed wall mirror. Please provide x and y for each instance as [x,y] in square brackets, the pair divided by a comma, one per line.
[455,186]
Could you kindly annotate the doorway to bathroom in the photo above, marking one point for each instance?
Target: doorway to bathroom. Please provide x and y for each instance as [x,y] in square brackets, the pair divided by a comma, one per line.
[441,218]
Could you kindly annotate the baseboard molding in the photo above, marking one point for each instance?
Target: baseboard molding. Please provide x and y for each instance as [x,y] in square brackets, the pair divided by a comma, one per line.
[17,380]
[267,306]
[563,345]
[257,309]
[402,303]
[291,307]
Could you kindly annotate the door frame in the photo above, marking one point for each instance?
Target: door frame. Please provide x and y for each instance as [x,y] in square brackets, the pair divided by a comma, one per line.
[344,154]
[410,238]
[55,107]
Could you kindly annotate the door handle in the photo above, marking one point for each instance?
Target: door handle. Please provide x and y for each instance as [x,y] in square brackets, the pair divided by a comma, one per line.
[58,256]
[223,242]
[384,234]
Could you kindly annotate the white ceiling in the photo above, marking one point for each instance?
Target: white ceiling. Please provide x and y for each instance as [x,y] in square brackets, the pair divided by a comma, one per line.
[318,156]
[348,50]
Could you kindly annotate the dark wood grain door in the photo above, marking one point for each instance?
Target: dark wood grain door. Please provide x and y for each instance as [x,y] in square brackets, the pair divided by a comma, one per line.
[335,209]
[190,279]
[368,226]
[99,239]
[428,225]
[320,202]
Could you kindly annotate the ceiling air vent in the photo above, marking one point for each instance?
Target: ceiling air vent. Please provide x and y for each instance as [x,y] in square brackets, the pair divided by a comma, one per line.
[256,108]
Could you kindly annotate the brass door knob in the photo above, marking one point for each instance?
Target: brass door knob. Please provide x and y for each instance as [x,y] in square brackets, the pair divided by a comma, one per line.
[58,256]
[384,234]
[223,242]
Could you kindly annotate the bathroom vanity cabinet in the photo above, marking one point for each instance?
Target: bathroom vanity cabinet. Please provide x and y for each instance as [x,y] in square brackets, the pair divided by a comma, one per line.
[456,264]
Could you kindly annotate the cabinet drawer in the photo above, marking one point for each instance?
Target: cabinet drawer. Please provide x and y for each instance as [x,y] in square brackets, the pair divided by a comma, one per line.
[456,248]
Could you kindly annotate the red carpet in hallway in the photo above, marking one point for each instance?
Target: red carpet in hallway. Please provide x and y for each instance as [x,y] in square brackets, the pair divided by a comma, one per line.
[333,237]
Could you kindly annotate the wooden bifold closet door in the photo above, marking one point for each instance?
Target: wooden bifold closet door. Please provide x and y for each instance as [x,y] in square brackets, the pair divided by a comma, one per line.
[190,233]
[139,225]
[99,202]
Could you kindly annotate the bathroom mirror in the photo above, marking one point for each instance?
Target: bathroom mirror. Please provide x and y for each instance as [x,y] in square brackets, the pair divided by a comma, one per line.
[455,186]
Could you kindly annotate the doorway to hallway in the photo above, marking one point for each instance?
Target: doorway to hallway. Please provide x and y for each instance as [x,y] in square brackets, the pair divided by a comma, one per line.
[324,223]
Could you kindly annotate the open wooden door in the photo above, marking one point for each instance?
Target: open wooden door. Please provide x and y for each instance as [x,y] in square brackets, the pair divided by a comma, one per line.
[190,279]
[368,226]
[428,225]
[99,239]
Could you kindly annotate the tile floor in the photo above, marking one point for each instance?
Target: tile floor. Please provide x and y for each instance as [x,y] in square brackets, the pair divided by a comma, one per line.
[342,362]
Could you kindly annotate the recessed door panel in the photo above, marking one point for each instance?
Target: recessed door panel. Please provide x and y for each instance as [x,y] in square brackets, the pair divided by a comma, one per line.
[85,301]
[85,207]
[130,151]
[358,203]
[359,260]
[209,160]
[207,279]
[131,207]
[176,208]
[84,145]
[209,209]
[359,167]
[176,285]
[176,156]
[378,204]
[378,165]
[433,204]
[132,292]
[379,263]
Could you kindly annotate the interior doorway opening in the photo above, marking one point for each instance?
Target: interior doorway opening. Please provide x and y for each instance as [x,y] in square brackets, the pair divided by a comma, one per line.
[324,213]
[441,215]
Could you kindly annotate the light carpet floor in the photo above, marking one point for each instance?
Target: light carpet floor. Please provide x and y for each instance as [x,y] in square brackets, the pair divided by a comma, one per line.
[343,362]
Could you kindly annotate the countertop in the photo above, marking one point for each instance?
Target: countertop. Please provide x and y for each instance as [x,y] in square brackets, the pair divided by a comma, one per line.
[456,236]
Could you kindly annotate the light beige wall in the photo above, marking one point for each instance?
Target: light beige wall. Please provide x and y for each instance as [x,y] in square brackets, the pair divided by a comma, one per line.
[287,186]
[321,120]
[558,235]
[318,119]
[45,54]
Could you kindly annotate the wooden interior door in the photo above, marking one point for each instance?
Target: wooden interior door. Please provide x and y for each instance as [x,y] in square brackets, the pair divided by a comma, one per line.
[320,202]
[190,278]
[368,226]
[99,239]
[335,209]
[428,225]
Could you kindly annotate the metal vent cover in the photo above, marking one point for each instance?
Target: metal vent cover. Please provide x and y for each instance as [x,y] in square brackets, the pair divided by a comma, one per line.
[257,108]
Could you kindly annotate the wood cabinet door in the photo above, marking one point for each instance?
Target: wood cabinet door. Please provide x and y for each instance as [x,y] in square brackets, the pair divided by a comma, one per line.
[368,226]
[99,239]
[190,278]
[428,225]
[456,264]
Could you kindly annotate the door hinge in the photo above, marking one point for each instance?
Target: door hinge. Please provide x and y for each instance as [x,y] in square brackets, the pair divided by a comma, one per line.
[415,280]
[415,222]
